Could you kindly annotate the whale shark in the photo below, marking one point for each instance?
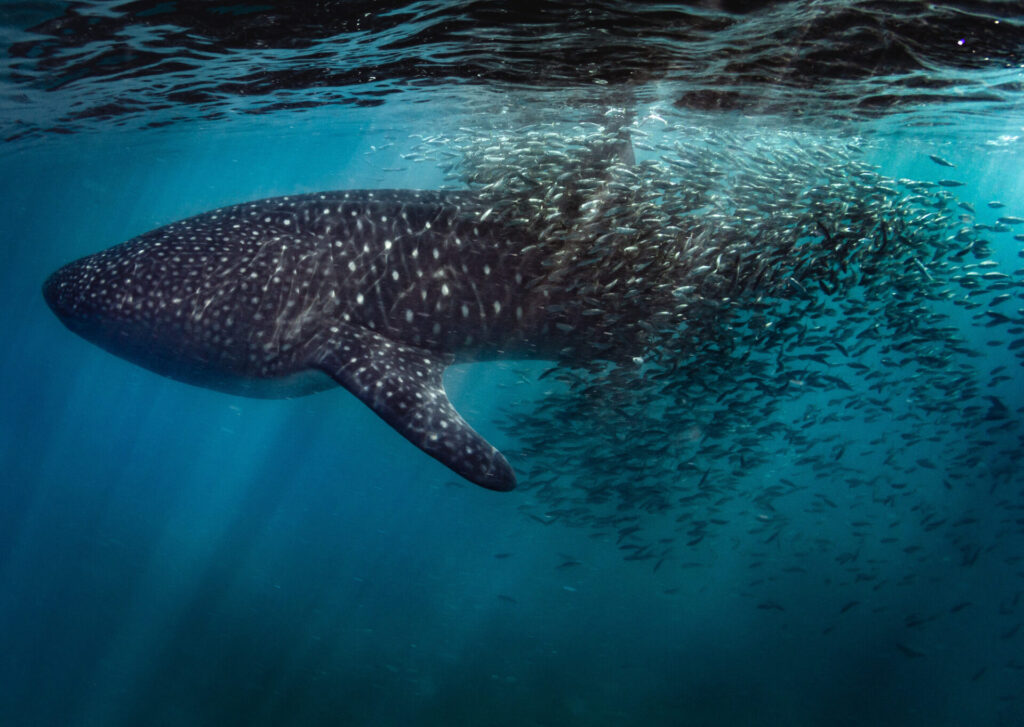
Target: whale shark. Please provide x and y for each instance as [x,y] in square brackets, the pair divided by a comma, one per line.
[378,291]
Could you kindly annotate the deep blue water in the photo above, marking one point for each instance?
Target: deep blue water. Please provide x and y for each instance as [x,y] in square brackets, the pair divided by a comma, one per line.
[175,556]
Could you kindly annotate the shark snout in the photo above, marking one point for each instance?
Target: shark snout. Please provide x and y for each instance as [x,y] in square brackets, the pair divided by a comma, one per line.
[58,294]
[67,292]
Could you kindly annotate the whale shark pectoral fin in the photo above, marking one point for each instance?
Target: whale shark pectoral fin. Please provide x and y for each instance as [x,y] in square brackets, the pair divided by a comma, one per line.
[404,386]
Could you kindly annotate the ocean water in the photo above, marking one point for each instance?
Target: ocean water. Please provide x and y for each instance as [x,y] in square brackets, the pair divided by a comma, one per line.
[771,547]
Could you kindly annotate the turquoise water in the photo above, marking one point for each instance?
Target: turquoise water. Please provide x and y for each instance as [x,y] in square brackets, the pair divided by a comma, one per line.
[175,556]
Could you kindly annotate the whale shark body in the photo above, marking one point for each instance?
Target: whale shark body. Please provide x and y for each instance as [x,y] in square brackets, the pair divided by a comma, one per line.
[658,277]
[376,291]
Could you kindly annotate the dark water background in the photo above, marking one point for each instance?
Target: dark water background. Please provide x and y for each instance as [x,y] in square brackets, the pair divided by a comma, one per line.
[174,556]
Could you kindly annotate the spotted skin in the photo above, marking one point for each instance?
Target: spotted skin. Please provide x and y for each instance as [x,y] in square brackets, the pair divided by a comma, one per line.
[379,290]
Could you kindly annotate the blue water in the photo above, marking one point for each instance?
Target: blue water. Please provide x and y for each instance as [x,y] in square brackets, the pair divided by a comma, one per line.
[172,556]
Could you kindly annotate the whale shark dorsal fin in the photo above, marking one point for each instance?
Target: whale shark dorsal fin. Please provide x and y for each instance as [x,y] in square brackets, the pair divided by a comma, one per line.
[404,386]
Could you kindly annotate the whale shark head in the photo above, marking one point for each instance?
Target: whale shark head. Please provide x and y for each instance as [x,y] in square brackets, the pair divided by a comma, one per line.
[97,298]
[131,301]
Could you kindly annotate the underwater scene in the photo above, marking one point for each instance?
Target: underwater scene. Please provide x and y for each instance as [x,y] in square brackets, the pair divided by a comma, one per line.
[479,363]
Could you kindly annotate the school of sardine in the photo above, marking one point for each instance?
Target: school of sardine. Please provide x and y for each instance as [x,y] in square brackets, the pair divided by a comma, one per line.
[772,329]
